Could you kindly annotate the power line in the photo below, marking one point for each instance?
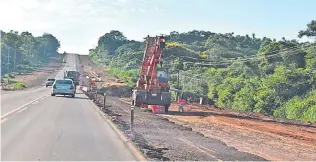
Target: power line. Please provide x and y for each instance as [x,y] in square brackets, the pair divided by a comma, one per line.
[248,59]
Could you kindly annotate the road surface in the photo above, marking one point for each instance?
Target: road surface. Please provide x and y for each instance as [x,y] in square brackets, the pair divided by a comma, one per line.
[37,126]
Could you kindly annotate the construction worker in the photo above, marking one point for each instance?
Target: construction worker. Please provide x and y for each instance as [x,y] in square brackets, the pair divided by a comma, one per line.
[160,77]
[181,103]
[91,83]
[180,108]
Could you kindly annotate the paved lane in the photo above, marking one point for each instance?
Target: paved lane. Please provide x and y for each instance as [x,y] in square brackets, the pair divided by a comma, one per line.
[60,128]
[11,100]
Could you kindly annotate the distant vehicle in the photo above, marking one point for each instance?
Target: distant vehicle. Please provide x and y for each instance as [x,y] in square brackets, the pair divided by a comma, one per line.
[49,82]
[76,83]
[64,61]
[73,75]
[63,87]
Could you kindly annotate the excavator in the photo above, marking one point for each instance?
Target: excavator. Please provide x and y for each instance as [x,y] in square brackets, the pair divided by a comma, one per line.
[152,86]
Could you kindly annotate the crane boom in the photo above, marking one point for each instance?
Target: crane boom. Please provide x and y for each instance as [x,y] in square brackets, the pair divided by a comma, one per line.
[152,86]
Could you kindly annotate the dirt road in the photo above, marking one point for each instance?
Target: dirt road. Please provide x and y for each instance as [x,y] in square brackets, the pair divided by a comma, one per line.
[203,131]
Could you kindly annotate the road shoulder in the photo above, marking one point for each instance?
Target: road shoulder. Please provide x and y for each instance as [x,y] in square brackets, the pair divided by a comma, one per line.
[134,149]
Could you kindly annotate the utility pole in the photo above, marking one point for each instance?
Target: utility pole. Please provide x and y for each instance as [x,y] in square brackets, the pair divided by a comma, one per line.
[8,66]
[178,79]
[21,58]
[14,59]
[37,56]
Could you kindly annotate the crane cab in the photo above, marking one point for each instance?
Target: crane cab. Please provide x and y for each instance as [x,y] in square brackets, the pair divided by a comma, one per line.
[162,75]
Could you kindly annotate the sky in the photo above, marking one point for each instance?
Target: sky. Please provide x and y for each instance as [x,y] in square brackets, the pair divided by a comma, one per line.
[78,24]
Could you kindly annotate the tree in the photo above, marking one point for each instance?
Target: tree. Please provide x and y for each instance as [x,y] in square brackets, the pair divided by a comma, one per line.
[50,42]
[111,41]
[310,31]
[23,51]
[240,72]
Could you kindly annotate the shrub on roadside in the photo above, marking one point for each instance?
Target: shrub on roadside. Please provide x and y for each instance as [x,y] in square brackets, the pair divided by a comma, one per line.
[19,85]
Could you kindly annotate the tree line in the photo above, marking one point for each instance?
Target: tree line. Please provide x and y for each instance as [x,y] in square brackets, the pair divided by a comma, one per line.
[21,51]
[244,73]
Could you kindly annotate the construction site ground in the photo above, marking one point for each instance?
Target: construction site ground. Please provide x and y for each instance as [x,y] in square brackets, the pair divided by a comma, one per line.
[37,77]
[207,133]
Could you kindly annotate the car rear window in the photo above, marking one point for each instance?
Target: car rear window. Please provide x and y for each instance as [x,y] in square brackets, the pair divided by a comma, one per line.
[50,79]
[63,82]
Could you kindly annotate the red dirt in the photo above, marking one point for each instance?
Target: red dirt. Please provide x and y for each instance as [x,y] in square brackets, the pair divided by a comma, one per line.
[263,137]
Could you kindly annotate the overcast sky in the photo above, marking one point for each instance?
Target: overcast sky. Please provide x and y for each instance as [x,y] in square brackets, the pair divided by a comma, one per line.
[79,23]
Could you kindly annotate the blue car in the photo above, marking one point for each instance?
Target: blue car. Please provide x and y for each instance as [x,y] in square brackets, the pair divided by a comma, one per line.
[63,87]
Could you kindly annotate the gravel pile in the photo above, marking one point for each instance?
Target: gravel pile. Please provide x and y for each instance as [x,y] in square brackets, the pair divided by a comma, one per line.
[162,140]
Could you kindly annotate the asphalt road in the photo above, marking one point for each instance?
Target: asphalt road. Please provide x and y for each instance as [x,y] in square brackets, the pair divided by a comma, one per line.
[36,126]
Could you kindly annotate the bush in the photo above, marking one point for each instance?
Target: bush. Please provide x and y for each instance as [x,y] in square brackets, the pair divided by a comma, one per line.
[128,76]
[9,76]
[301,108]
[19,85]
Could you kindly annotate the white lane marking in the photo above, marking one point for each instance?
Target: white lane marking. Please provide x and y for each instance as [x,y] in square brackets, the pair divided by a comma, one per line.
[35,102]
[22,110]
[17,109]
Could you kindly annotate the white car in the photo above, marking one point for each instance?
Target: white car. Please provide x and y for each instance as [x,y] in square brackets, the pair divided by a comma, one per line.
[63,87]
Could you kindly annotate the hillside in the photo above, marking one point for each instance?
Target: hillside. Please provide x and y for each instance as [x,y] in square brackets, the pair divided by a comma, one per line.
[243,73]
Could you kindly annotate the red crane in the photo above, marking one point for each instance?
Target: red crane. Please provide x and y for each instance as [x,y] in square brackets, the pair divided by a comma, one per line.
[152,87]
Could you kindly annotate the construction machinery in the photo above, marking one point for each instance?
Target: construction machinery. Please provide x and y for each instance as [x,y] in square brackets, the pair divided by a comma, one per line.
[152,86]
[73,75]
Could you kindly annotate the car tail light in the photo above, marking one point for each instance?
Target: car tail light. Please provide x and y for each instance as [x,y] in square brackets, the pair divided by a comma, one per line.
[54,86]
[72,87]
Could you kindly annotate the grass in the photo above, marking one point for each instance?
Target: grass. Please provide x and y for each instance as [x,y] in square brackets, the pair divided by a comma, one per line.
[12,85]
[19,85]
[127,76]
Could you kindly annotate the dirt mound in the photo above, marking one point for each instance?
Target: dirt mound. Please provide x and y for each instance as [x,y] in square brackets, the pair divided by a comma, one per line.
[113,90]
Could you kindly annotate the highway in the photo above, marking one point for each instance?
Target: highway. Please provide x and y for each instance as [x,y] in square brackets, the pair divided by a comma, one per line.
[36,126]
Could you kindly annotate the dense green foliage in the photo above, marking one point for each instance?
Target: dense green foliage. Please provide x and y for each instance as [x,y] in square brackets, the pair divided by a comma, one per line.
[244,73]
[21,51]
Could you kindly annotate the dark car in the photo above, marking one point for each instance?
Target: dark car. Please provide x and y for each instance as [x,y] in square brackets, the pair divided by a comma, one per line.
[49,82]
